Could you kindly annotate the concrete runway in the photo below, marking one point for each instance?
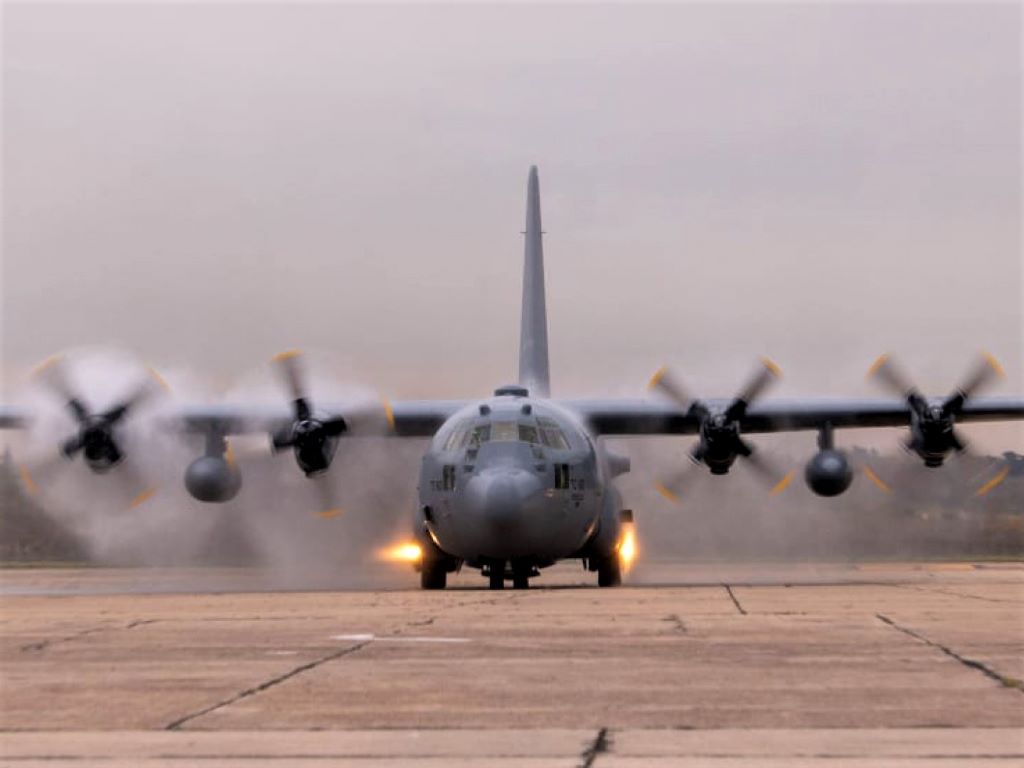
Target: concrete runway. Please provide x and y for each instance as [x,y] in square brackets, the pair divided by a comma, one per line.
[689,664]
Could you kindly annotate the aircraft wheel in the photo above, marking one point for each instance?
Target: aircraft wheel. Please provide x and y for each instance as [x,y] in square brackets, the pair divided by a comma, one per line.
[520,581]
[433,575]
[609,572]
[497,579]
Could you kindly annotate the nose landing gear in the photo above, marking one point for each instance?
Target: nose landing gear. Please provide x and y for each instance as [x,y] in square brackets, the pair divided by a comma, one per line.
[520,573]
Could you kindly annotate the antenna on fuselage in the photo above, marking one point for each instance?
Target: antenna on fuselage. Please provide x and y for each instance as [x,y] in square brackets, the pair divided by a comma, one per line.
[533,335]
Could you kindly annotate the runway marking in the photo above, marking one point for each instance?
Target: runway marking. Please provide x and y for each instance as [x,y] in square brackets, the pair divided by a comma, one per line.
[915,567]
[1003,680]
[402,639]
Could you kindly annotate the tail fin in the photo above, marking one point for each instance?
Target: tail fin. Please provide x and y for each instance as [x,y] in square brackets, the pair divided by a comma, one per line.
[533,337]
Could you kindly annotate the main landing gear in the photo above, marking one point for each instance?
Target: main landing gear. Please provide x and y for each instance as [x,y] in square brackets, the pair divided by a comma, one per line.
[435,567]
[609,570]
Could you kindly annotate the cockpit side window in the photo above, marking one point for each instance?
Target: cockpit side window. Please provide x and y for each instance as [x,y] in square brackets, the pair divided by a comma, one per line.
[552,435]
[458,436]
[480,435]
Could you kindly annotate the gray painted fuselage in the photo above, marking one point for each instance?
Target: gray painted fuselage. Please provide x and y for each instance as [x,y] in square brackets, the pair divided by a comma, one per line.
[517,480]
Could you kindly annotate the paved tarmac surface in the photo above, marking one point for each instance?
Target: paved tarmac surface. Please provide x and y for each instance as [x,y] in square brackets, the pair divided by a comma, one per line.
[690,664]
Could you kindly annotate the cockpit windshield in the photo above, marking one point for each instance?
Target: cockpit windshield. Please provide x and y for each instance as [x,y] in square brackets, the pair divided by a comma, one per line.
[472,436]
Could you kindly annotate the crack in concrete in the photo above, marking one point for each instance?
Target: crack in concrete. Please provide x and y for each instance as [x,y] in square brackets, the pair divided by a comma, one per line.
[599,746]
[347,650]
[1004,680]
[735,602]
[42,645]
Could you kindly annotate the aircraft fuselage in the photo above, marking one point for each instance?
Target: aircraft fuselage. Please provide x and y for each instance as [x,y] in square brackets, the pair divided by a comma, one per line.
[516,482]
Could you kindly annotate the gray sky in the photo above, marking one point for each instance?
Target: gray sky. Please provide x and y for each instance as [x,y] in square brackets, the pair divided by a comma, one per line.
[208,185]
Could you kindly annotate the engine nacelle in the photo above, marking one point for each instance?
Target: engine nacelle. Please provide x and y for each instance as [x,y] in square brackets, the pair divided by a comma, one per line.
[212,479]
[828,473]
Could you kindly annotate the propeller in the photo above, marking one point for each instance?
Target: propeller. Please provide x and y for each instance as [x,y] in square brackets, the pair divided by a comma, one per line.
[97,437]
[720,440]
[313,440]
[933,435]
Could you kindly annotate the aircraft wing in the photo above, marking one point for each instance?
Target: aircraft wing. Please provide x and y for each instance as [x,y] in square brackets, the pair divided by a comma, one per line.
[404,418]
[653,417]
[12,417]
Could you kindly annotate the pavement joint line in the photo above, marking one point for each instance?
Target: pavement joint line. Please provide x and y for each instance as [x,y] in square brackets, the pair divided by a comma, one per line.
[735,602]
[599,746]
[347,650]
[1005,681]
[956,594]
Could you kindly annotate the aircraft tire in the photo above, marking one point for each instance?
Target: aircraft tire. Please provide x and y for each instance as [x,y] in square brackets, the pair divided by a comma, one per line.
[520,581]
[609,572]
[434,575]
[497,580]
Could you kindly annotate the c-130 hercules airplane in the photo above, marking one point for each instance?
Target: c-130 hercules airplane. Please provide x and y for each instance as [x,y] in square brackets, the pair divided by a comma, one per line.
[518,481]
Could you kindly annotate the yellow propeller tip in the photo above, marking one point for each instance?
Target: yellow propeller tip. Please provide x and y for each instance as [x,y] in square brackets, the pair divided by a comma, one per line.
[780,486]
[882,485]
[27,481]
[155,375]
[995,364]
[772,366]
[329,513]
[142,498]
[229,454]
[288,354]
[49,362]
[389,412]
[877,364]
[993,482]
[657,377]
[667,493]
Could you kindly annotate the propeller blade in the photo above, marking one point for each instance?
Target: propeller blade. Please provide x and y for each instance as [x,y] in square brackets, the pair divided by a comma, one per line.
[145,389]
[984,372]
[53,374]
[766,373]
[879,483]
[891,376]
[328,505]
[136,487]
[290,365]
[959,444]
[335,427]
[674,485]
[667,383]
[767,470]
[995,481]
[72,446]
[40,473]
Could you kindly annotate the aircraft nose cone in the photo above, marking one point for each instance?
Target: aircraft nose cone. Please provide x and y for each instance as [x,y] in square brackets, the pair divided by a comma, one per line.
[501,498]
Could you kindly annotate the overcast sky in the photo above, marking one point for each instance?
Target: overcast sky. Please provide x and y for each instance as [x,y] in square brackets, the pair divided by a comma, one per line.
[209,184]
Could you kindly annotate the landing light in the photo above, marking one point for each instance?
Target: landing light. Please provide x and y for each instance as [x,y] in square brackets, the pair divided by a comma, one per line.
[409,552]
[627,547]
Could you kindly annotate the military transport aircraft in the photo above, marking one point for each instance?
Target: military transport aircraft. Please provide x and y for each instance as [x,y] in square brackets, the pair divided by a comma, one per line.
[517,481]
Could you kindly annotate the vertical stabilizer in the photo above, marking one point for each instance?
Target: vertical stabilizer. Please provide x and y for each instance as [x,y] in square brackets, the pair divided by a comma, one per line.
[533,335]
